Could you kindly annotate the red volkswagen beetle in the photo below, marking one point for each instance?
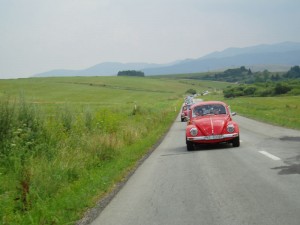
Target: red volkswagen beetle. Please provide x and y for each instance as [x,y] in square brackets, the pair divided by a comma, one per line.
[211,122]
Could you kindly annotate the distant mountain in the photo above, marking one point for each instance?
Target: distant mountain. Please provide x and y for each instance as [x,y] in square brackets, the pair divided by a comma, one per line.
[102,69]
[280,47]
[273,57]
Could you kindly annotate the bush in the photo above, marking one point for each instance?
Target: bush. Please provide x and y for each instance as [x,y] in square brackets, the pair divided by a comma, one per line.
[191,91]
[281,89]
[265,92]
[250,90]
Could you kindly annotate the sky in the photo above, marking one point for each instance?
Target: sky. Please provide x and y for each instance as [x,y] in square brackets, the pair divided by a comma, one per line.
[41,35]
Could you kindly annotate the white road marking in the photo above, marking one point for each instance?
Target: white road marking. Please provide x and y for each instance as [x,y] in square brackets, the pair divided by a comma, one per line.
[270,155]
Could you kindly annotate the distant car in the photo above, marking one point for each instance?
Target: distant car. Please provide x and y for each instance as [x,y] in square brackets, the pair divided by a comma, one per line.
[184,112]
[210,122]
[188,100]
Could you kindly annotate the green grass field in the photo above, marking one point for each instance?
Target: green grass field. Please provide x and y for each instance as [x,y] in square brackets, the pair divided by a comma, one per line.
[65,142]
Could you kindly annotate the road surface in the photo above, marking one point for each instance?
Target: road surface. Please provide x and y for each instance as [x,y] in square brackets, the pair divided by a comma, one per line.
[257,183]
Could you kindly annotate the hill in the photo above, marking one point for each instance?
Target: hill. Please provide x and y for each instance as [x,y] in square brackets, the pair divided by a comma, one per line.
[273,57]
[101,69]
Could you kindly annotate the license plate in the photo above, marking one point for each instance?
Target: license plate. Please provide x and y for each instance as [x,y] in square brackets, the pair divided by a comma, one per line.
[214,137]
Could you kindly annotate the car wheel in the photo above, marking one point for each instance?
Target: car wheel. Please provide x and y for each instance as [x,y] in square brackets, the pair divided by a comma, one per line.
[190,145]
[236,142]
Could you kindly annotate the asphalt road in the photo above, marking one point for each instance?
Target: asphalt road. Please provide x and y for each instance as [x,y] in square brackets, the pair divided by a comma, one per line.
[257,183]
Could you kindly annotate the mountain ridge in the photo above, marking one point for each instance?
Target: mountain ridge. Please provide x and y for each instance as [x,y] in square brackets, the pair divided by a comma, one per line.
[280,55]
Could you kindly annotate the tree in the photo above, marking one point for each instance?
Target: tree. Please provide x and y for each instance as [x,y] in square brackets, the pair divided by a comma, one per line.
[281,88]
[133,73]
[243,69]
[294,72]
[191,91]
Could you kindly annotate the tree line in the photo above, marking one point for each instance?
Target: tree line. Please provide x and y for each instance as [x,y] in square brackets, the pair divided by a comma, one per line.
[258,84]
[133,73]
[244,75]
[263,84]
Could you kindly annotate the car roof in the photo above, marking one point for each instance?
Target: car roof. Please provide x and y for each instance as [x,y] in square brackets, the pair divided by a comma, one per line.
[209,103]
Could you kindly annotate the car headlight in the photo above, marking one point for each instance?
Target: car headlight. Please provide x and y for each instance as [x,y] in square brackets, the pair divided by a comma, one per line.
[230,128]
[194,131]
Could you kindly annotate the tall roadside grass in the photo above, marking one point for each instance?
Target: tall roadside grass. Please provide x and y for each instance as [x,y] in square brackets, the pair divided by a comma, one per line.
[53,166]
[74,138]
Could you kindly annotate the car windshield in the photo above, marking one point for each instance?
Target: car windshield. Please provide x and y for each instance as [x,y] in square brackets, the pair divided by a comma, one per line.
[212,109]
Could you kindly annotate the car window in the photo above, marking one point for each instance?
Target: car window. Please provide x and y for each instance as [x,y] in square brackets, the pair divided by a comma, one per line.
[212,109]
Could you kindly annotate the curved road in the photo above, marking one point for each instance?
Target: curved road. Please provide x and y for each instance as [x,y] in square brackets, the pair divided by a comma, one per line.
[257,183]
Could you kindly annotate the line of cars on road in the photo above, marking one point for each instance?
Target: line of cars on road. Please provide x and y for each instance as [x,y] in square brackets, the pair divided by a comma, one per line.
[188,102]
[209,122]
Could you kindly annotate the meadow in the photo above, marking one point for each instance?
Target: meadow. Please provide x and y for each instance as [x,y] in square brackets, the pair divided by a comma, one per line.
[66,142]
[280,110]
[283,111]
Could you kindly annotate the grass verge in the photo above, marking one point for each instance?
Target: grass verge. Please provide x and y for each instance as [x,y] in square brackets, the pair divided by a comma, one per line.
[282,111]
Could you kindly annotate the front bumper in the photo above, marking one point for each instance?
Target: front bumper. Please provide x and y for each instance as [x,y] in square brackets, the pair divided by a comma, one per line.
[213,137]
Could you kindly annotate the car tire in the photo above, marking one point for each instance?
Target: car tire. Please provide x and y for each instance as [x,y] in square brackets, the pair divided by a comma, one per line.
[236,142]
[190,145]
